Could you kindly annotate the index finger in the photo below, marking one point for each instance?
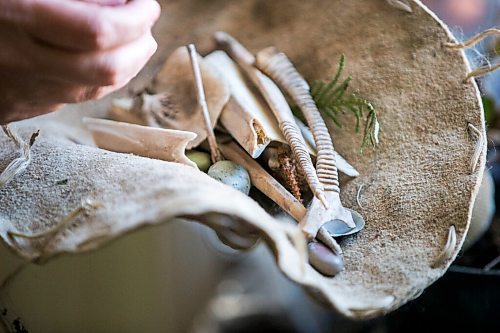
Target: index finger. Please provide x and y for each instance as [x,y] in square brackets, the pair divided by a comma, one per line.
[85,26]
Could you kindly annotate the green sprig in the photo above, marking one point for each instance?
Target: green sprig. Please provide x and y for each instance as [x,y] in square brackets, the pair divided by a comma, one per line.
[332,100]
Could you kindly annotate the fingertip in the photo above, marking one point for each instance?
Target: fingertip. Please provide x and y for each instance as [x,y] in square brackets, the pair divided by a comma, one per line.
[151,8]
[158,8]
[155,11]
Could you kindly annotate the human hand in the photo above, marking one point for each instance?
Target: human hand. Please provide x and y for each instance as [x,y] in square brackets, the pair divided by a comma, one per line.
[67,51]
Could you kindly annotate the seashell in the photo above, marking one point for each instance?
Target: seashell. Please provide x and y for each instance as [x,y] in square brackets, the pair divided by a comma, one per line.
[159,143]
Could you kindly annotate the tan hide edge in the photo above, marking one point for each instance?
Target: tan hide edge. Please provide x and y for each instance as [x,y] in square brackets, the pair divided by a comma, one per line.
[416,184]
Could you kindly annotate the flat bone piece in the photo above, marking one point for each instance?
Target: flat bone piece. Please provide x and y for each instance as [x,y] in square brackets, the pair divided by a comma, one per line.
[122,109]
[246,116]
[175,103]
[163,144]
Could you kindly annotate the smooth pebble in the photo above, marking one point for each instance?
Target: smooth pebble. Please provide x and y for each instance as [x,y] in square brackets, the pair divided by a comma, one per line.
[231,174]
[201,159]
[324,260]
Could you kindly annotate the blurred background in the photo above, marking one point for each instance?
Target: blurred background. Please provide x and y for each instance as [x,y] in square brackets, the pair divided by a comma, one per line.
[196,285]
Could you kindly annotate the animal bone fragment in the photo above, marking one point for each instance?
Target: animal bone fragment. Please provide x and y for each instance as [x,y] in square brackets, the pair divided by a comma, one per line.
[129,110]
[277,65]
[158,143]
[246,116]
[263,181]
[20,164]
[175,104]
[280,108]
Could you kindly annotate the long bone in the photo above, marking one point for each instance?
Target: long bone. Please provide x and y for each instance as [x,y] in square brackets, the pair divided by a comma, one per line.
[280,109]
[277,66]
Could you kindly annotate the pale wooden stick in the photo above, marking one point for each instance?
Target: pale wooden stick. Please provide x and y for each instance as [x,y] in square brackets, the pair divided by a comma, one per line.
[202,101]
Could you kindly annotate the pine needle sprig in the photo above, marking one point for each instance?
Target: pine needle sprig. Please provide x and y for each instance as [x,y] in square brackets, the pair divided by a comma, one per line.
[333,100]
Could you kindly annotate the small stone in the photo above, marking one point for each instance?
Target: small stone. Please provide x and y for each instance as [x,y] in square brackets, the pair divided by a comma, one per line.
[231,174]
[201,159]
[324,260]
